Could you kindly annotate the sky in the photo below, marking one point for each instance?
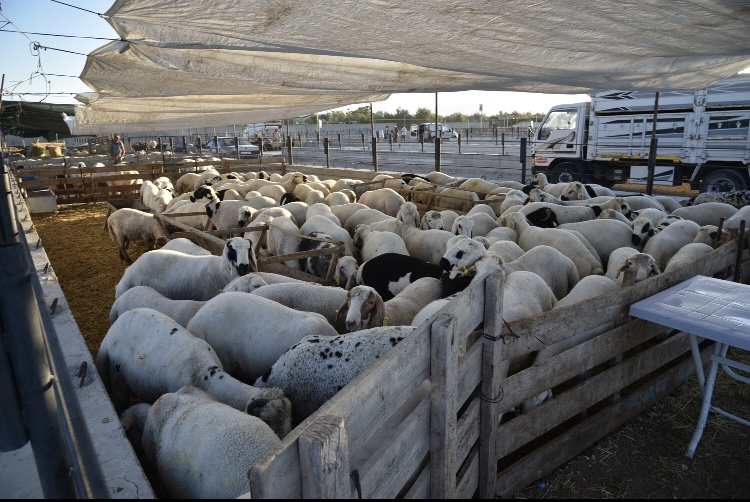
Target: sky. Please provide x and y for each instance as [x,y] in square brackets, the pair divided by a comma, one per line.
[21,64]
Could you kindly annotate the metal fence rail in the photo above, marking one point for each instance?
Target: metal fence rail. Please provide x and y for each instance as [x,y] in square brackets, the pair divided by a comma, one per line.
[35,379]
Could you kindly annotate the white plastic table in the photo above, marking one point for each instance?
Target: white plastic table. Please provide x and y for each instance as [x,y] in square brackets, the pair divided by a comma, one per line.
[707,308]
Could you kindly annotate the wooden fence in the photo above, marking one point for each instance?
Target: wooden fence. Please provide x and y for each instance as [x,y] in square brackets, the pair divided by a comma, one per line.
[424,420]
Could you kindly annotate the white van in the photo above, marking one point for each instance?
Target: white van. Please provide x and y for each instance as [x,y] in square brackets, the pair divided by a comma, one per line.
[427,131]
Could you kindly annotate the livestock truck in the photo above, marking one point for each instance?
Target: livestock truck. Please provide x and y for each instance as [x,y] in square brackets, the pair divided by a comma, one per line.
[702,138]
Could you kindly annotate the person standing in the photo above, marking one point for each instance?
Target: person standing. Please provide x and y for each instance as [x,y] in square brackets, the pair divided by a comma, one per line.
[116,149]
[403,134]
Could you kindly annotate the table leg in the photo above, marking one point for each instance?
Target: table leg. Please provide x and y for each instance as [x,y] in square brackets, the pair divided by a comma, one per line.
[698,362]
[708,390]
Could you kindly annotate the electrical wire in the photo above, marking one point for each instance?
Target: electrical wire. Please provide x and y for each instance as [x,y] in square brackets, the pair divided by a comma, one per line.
[80,8]
[54,35]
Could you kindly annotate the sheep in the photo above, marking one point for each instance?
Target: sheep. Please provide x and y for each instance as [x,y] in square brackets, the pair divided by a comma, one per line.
[274,191]
[483,223]
[385,200]
[644,264]
[374,243]
[223,214]
[252,281]
[179,276]
[708,213]
[318,223]
[556,269]
[283,238]
[611,214]
[563,241]
[306,297]
[344,211]
[322,210]
[616,258]
[259,201]
[344,183]
[148,191]
[181,311]
[707,234]
[345,272]
[138,356]
[127,225]
[732,224]
[298,210]
[199,222]
[201,448]
[644,224]
[364,216]
[736,198]
[313,370]
[337,198]
[317,265]
[507,250]
[186,246]
[448,218]
[604,235]
[463,225]
[688,254]
[186,183]
[432,219]
[570,214]
[638,202]
[664,244]
[249,332]
[669,203]
[364,308]
[479,186]
[427,245]
[595,190]
[265,217]
[483,208]
[160,201]
[390,273]
[502,234]
[512,198]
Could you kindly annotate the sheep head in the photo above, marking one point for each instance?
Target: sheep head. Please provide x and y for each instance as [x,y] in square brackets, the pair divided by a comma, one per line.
[240,255]
[643,264]
[277,413]
[363,308]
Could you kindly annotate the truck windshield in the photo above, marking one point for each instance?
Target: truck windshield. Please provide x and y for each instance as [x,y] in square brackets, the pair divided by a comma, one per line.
[556,120]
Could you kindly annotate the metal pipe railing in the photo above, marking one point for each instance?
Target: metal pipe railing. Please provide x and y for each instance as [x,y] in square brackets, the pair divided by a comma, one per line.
[63,451]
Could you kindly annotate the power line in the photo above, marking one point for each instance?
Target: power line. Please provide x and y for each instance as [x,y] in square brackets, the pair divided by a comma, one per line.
[54,35]
[80,8]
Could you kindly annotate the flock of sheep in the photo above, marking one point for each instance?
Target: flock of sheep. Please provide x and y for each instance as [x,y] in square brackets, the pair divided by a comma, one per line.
[226,360]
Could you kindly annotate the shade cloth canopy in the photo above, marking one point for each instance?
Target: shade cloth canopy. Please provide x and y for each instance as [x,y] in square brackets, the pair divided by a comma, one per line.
[211,62]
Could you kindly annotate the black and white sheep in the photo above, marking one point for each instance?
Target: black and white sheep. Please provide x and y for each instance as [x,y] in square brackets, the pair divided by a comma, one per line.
[390,273]
[249,332]
[427,245]
[148,354]
[313,370]
[736,198]
[179,276]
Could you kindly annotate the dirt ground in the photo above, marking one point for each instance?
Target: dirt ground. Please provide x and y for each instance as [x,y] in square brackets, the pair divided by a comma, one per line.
[642,459]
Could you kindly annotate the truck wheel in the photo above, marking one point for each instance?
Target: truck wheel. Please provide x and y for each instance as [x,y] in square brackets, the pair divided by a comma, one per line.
[565,173]
[723,180]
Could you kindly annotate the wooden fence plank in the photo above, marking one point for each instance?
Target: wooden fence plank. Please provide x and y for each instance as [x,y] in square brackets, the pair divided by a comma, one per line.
[467,431]
[324,460]
[588,432]
[468,476]
[443,375]
[421,487]
[492,355]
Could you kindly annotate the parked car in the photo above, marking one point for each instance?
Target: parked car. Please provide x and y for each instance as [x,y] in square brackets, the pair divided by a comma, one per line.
[228,147]
[427,132]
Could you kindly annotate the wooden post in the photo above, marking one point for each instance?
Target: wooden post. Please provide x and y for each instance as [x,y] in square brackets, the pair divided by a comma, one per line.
[324,460]
[740,249]
[489,412]
[443,408]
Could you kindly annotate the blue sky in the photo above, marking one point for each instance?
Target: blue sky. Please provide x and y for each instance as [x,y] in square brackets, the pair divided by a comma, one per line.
[19,62]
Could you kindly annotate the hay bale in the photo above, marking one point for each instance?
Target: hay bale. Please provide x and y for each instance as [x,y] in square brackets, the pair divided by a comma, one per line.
[54,151]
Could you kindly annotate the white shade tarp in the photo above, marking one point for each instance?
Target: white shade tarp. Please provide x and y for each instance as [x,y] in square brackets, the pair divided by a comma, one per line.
[190,61]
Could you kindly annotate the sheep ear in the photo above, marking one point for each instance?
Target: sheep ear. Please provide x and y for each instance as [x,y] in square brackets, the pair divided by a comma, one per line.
[654,270]
[343,309]
[378,316]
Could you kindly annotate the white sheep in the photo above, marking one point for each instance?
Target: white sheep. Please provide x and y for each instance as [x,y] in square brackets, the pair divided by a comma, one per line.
[364,308]
[669,203]
[507,250]
[707,234]
[306,297]
[708,213]
[664,244]
[512,198]
[185,245]
[318,223]
[385,200]
[374,243]
[201,448]
[184,207]
[127,225]
[638,202]
[321,209]
[337,198]
[479,186]
[603,234]
[611,214]
[181,311]
[313,370]
[688,254]
[344,211]
[644,265]
[463,225]
[298,209]
[502,234]
[565,242]
[427,245]
[432,219]
[249,332]
[617,258]
[179,276]
[148,354]
[252,281]
[449,217]
[483,223]
[732,224]
[455,199]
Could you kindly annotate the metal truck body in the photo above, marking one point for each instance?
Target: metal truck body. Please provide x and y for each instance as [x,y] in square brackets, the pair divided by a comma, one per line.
[702,138]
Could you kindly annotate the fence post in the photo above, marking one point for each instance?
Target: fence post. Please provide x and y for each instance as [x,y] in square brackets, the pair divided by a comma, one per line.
[489,411]
[289,148]
[375,153]
[459,143]
[502,140]
[339,134]
[443,407]
[326,152]
[522,153]
[324,460]
[437,154]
